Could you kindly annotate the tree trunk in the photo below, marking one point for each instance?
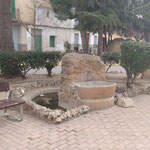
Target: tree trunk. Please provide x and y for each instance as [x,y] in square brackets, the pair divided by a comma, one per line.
[34,28]
[128,83]
[49,71]
[6,40]
[100,40]
[84,42]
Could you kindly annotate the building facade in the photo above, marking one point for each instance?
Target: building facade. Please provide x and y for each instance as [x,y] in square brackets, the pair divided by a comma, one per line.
[37,16]
[51,33]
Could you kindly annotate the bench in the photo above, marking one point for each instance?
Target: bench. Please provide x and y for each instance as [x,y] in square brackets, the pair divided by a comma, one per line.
[10,102]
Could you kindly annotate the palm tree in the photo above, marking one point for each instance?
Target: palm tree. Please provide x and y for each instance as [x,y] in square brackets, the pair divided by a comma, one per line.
[6,40]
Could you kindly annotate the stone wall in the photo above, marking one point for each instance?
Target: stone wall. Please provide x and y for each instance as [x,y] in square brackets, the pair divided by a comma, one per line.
[115,45]
[49,115]
[78,68]
[146,74]
[28,86]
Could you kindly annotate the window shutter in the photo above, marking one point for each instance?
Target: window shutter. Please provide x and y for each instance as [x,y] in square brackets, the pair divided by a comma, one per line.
[13,9]
[52,41]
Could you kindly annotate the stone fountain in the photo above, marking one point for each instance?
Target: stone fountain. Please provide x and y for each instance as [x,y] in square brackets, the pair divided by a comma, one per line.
[83,83]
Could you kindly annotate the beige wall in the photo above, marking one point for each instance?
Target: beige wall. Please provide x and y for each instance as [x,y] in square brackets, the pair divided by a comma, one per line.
[26,10]
[115,45]
[115,35]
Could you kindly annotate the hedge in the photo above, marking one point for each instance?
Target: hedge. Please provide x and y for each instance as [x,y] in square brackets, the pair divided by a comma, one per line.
[19,63]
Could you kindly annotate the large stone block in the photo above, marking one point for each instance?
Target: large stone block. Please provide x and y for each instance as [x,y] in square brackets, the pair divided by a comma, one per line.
[78,68]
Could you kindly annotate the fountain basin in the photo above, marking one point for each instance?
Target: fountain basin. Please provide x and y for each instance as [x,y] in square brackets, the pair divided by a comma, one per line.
[96,94]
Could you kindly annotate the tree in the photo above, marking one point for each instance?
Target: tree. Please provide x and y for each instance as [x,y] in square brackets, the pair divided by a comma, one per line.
[134,16]
[135,58]
[69,9]
[36,5]
[6,40]
[110,59]
[143,12]
[92,15]
[67,46]
[99,15]
[104,17]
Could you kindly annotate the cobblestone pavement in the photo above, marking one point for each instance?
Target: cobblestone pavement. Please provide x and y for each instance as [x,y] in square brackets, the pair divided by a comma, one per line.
[112,129]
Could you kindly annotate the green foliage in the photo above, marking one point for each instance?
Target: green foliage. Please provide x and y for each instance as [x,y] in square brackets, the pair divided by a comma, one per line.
[92,16]
[51,60]
[19,63]
[110,59]
[9,64]
[67,46]
[89,13]
[29,60]
[99,14]
[135,59]
[115,15]
[134,16]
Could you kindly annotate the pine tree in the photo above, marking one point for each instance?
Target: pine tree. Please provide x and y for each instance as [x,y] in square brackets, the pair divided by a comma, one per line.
[69,9]
[105,16]
[99,15]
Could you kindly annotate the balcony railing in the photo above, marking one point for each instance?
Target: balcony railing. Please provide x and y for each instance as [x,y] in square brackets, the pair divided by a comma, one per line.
[16,17]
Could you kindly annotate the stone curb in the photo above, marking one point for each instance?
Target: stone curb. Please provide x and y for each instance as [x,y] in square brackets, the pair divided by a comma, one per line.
[28,86]
[52,116]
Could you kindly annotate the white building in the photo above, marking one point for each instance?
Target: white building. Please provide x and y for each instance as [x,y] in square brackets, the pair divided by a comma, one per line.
[51,33]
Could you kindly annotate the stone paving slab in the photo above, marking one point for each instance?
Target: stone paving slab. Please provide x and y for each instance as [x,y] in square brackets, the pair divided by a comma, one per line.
[112,129]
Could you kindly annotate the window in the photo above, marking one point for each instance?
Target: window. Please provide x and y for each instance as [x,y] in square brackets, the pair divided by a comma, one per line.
[47,14]
[52,41]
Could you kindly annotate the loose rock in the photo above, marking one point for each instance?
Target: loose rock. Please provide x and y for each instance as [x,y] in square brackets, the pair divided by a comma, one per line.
[125,102]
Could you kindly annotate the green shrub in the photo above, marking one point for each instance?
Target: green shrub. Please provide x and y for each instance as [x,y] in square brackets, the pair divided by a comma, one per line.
[19,63]
[135,58]
[51,60]
[67,46]
[110,59]
[9,64]
[29,60]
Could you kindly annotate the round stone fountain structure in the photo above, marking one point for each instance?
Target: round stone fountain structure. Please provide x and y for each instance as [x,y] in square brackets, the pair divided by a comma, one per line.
[96,94]
[83,83]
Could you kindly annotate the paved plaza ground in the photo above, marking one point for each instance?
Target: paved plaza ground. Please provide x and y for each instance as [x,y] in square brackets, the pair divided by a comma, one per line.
[111,129]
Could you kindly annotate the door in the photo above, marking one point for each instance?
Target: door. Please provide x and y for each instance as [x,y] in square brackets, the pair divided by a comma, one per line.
[95,41]
[76,41]
[88,38]
[39,42]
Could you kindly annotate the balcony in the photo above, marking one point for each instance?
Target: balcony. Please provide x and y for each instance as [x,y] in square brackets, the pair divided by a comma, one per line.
[16,16]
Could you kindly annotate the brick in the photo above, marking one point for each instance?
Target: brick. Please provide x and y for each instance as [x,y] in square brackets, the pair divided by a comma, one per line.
[111,129]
